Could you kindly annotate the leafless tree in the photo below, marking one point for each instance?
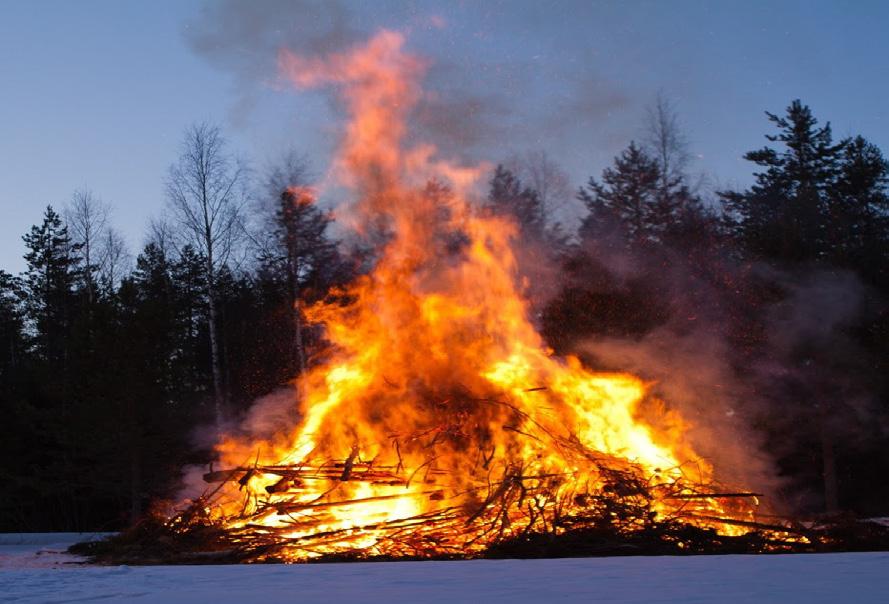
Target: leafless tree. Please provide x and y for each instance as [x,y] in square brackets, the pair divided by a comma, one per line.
[539,171]
[206,194]
[87,217]
[114,258]
[161,234]
[666,141]
[536,169]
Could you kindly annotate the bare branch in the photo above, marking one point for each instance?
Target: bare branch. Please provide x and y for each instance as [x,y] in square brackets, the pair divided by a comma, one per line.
[114,258]
[86,217]
[539,171]
[206,195]
[665,140]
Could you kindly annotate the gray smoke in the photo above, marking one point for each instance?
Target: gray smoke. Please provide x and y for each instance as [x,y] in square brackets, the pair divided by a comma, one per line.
[243,39]
[471,106]
[269,418]
[806,372]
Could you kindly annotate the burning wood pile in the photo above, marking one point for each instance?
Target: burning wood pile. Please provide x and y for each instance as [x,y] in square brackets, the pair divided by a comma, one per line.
[512,504]
[517,512]
[439,424]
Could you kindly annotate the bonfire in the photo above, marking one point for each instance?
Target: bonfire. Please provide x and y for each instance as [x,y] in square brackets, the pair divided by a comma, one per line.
[439,424]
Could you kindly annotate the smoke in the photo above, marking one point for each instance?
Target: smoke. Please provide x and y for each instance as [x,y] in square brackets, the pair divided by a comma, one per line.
[462,119]
[818,305]
[243,39]
[815,379]
[759,367]
[686,356]
[476,102]
[811,348]
[268,420]
[689,370]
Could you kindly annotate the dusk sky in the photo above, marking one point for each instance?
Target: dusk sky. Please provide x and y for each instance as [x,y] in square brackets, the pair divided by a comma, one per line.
[96,93]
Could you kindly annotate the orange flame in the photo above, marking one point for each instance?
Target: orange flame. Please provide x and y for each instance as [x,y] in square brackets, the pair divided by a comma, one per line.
[440,385]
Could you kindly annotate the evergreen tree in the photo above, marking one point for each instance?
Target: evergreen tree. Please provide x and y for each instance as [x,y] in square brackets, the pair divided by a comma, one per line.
[189,281]
[297,259]
[12,336]
[785,215]
[162,320]
[859,210]
[52,271]
[508,196]
[628,196]
[694,227]
[157,407]
[17,430]
[304,253]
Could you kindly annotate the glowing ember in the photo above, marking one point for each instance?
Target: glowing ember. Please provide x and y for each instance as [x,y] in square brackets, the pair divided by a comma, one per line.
[442,423]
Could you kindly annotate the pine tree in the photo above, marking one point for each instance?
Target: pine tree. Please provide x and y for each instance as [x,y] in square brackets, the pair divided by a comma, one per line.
[785,215]
[628,197]
[301,232]
[159,316]
[53,264]
[18,431]
[157,406]
[189,280]
[298,260]
[508,196]
[12,336]
[859,210]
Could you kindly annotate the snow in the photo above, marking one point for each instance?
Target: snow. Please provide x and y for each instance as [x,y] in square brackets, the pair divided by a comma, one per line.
[55,577]
[39,550]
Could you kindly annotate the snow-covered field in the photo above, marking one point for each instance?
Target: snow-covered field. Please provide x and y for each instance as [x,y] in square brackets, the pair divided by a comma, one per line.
[36,569]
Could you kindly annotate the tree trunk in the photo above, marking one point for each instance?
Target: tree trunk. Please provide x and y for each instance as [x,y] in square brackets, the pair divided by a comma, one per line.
[299,351]
[218,398]
[829,469]
[135,483]
[89,276]
[298,337]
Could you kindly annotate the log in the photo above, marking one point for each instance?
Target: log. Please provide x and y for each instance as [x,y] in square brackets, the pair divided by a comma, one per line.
[748,523]
[711,495]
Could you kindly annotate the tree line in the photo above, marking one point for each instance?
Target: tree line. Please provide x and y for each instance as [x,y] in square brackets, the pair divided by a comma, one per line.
[111,367]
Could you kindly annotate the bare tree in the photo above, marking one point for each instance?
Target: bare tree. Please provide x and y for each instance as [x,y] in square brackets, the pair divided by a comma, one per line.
[666,142]
[114,258]
[552,185]
[680,194]
[87,217]
[161,234]
[539,171]
[205,193]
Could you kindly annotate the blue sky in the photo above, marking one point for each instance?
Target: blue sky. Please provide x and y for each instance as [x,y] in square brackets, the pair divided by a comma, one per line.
[96,93]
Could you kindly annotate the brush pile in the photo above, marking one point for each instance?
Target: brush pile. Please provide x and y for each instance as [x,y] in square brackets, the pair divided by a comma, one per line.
[518,515]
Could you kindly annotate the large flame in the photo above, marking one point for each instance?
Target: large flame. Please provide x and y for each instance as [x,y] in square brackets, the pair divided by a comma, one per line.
[441,396]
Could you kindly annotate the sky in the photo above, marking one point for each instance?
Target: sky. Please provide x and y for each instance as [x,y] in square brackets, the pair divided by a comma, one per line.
[96,93]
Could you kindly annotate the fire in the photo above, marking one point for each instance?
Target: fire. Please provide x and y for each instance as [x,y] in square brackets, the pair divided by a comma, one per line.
[442,422]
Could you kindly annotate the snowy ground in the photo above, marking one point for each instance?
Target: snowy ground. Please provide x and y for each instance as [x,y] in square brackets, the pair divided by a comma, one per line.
[35,569]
